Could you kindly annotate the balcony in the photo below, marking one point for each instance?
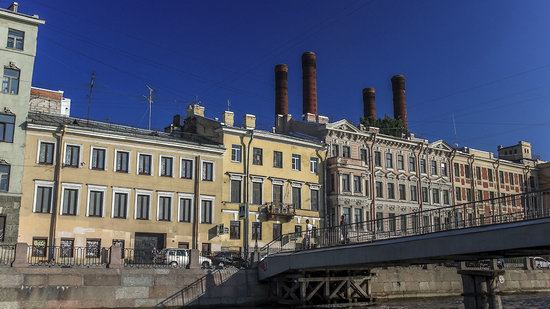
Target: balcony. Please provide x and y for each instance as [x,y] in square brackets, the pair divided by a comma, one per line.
[276,211]
[343,161]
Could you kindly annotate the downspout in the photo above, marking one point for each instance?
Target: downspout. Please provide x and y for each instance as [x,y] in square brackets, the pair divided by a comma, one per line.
[419,187]
[372,184]
[246,196]
[497,176]
[471,160]
[56,178]
[321,168]
[452,173]
[196,192]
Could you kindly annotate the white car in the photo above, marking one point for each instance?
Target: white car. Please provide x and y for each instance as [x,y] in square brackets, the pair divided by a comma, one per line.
[178,257]
[539,262]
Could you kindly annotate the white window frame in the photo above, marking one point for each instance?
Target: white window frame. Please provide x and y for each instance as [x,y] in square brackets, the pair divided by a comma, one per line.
[299,159]
[42,183]
[171,196]
[127,191]
[192,167]
[40,141]
[75,186]
[213,170]
[207,198]
[143,192]
[79,154]
[100,189]
[137,163]
[316,160]
[129,160]
[173,165]
[240,149]
[190,196]
[105,158]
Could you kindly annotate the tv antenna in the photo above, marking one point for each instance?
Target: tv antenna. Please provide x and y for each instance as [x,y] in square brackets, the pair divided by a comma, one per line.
[91,85]
[149,99]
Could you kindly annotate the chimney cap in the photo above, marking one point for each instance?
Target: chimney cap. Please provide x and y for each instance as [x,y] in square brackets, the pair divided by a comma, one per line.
[308,53]
[398,76]
[281,67]
[369,90]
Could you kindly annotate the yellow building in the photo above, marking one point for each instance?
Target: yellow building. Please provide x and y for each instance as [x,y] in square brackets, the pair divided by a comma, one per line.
[284,179]
[90,184]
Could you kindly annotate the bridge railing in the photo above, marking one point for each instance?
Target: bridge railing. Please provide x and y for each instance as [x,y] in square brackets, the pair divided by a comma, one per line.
[510,208]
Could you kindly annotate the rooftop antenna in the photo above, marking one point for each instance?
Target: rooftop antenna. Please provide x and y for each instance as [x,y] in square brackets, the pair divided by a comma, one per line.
[149,99]
[228,105]
[454,127]
[92,85]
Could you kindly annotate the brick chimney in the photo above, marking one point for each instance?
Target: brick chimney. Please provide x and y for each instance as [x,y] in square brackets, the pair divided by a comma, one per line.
[228,118]
[399,99]
[281,89]
[309,83]
[369,103]
[195,110]
[14,7]
[249,122]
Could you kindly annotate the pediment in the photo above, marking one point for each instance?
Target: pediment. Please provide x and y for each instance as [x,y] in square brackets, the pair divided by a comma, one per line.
[402,176]
[379,173]
[440,145]
[343,125]
[413,178]
[391,174]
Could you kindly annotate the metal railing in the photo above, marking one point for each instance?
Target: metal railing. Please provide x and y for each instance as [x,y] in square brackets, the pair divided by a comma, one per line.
[7,255]
[512,208]
[67,256]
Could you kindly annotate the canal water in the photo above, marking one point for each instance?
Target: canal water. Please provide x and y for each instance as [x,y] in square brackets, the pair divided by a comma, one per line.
[516,301]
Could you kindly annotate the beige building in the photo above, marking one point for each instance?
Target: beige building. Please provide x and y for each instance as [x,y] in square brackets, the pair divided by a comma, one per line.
[93,184]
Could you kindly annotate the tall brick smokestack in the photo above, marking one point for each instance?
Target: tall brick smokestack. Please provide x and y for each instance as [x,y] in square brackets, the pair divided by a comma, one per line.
[369,103]
[309,82]
[281,89]
[399,99]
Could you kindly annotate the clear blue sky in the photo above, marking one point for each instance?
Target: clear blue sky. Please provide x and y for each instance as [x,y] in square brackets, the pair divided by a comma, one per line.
[486,62]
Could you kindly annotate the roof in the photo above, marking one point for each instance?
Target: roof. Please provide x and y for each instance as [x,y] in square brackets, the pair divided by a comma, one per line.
[105,127]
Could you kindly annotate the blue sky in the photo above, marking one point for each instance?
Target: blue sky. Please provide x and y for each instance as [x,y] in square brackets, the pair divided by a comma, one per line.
[485,62]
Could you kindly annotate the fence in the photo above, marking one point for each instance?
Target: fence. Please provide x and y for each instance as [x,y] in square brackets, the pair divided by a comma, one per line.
[67,256]
[7,255]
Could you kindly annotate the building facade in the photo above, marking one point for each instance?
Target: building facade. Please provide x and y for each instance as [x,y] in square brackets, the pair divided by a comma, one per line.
[18,39]
[93,184]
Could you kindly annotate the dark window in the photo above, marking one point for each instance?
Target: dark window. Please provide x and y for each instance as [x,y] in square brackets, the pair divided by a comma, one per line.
[377,158]
[335,150]
[490,174]
[444,171]
[297,197]
[257,156]
[457,170]
[95,204]
[7,126]
[423,166]
[478,173]
[391,190]
[207,171]
[412,164]
[183,245]
[277,159]
[121,205]
[379,189]
[379,222]
[166,166]
[346,186]
[434,167]
[165,207]
[511,177]
[206,248]
[402,192]
[400,162]
[257,230]
[414,193]
[43,199]
[93,248]
[298,230]
[501,176]
[143,202]
[16,39]
[257,193]
[235,230]
[346,151]
[10,82]
[458,194]
[446,198]
[67,247]
[122,158]
[425,196]
[5,170]
[186,168]
[277,230]
[70,202]
[206,211]
[467,171]
[72,156]
[144,167]
[435,196]
[364,155]
[185,210]
[45,155]
[277,194]
[389,160]
[98,159]
[314,199]
[357,184]
[39,245]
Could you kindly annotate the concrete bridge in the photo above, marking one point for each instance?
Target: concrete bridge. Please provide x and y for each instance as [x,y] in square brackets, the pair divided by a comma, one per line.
[303,266]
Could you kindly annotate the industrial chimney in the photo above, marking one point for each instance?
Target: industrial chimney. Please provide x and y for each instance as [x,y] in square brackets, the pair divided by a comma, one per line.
[399,99]
[281,89]
[369,103]
[309,82]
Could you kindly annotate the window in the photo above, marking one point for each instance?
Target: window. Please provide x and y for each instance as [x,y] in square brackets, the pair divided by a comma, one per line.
[389,160]
[277,230]
[7,126]
[490,174]
[434,167]
[446,197]
[425,197]
[93,248]
[364,155]
[392,222]
[423,166]
[257,193]
[72,155]
[45,154]
[458,194]
[479,195]
[379,222]
[122,158]
[235,230]
[16,39]
[444,170]
[357,184]
[183,245]
[5,177]
[95,203]
[400,162]
[206,248]
[335,150]
[43,199]
[236,153]
[143,202]
[457,170]
[298,230]
[402,192]
[185,210]
[297,197]
[358,215]
[314,165]
[391,190]
[257,230]
[511,176]
[186,169]
[346,151]
[469,195]
[120,207]
[257,156]
[10,82]
[67,247]
[98,159]
[70,202]
[296,162]
[414,193]
[435,196]
[207,171]
[39,246]
[379,189]
[467,171]
[235,191]
[144,164]
[314,199]
[277,194]
[164,208]
[166,166]
[346,183]
[346,212]
[501,176]
[412,164]
[377,158]
[277,159]
[478,173]
[206,211]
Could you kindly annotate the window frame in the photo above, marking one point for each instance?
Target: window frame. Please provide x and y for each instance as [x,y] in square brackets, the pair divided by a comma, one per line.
[236,153]
[314,165]
[70,186]
[261,183]
[8,178]
[80,147]
[151,163]
[128,193]
[278,154]
[15,39]
[162,195]
[182,159]
[136,200]
[231,228]
[255,152]
[294,204]
[236,178]
[42,183]
[115,163]
[92,148]
[186,196]
[102,189]
[213,178]
[172,158]
[296,162]
[212,200]
[6,126]
[10,80]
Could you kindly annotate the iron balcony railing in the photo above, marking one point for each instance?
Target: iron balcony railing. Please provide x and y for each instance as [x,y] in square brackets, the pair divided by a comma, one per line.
[512,208]
[7,255]
[277,210]
[67,256]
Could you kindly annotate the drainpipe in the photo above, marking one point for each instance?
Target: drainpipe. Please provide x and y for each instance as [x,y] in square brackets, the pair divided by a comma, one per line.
[372,184]
[419,187]
[321,168]
[60,134]
[497,176]
[197,194]
[452,173]
[471,160]
[246,196]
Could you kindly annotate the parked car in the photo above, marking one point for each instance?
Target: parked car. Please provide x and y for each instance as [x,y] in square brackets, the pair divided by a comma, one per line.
[180,257]
[228,258]
[539,262]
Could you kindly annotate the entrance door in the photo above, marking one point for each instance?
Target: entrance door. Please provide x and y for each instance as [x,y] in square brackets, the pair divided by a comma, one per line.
[146,245]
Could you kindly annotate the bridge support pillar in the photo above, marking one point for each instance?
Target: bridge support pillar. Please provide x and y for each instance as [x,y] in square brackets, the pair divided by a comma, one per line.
[480,287]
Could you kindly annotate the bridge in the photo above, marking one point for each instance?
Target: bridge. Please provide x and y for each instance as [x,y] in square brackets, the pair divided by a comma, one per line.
[333,263]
